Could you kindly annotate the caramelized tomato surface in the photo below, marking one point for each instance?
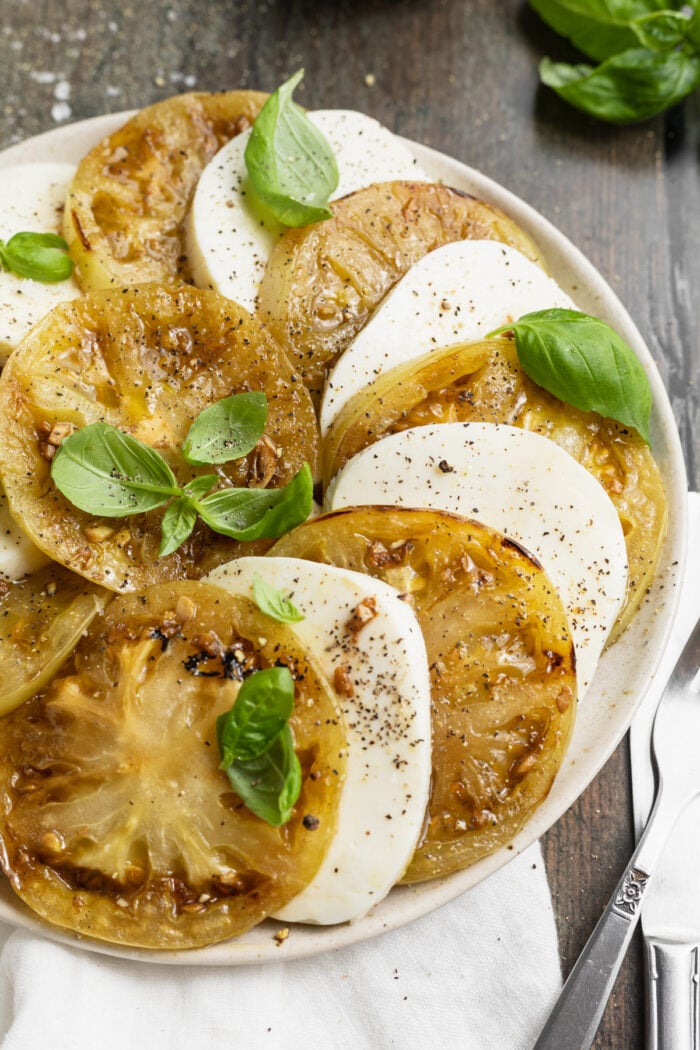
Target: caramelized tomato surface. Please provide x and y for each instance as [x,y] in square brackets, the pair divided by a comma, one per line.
[323,282]
[484,382]
[117,821]
[147,360]
[503,683]
[42,619]
[127,203]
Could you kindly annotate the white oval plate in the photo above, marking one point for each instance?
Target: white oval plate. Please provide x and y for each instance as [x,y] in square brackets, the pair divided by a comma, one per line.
[624,673]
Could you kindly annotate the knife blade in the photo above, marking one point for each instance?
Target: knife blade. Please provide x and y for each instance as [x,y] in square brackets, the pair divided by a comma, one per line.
[671,913]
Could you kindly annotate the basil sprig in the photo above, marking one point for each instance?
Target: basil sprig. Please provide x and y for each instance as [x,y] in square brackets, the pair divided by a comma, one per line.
[291,166]
[257,747]
[106,472]
[40,256]
[583,362]
[273,603]
[648,53]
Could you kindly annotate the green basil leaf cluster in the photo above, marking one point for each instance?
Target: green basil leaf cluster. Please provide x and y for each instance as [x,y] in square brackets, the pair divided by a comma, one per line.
[257,747]
[291,166]
[648,55]
[583,362]
[106,472]
[40,256]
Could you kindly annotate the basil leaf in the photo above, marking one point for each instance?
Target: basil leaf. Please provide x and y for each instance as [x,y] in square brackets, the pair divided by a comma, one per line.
[226,430]
[662,31]
[599,28]
[273,603]
[583,362]
[260,712]
[178,522]
[270,784]
[630,87]
[694,27]
[562,72]
[103,471]
[181,516]
[259,514]
[291,166]
[39,256]
[199,486]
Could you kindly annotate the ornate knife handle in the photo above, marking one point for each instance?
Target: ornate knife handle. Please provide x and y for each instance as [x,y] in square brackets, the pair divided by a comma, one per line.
[577,1013]
[673,995]
[574,1020]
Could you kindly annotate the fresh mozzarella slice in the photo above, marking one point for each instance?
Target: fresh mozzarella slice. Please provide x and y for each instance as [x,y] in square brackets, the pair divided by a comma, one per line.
[229,240]
[455,294]
[381,674]
[521,484]
[18,555]
[32,198]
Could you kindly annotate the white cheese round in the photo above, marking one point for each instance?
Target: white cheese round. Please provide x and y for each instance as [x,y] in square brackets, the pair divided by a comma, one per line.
[521,484]
[32,196]
[381,675]
[229,240]
[455,294]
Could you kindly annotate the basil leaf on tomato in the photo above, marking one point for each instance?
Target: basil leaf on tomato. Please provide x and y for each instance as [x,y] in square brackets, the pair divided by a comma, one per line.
[257,746]
[178,522]
[270,784]
[228,429]
[261,710]
[585,363]
[197,488]
[104,471]
[259,514]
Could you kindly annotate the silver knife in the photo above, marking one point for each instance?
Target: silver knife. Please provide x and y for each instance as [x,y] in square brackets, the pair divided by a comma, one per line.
[577,1013]
[671,914]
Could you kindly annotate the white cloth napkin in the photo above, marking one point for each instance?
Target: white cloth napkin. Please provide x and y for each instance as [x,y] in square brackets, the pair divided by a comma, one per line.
[481,973]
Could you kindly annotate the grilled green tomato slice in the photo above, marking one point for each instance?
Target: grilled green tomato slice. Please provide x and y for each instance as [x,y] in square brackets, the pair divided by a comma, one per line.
[42,619]
[323,282]
[484,382]
[147,360]
[503,684]
[395,396]
[117,822]
[127,203]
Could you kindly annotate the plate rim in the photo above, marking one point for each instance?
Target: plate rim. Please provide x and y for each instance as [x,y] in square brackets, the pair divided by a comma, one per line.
[405,904]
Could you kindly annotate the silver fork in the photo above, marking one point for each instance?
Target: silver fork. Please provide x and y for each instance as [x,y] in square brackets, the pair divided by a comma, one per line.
[676,748]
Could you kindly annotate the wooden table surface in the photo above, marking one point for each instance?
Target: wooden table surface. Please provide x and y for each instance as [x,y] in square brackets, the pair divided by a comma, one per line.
[461,76]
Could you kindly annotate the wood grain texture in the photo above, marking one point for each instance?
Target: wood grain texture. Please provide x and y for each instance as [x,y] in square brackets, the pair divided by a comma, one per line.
[462,77]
